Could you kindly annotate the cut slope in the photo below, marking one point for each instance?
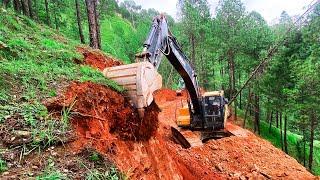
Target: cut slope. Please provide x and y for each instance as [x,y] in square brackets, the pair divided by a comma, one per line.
[96,59]
[98,111]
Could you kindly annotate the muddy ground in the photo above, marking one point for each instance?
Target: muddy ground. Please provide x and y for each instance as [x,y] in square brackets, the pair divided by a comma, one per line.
[103,120]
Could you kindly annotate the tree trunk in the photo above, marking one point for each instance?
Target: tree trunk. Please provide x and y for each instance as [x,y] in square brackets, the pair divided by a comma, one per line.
[304,148]
[285,134]
[24,7]
[277,119]
[17,6]
[312,128]
[79,22]
[93,33]
[257,114]
[240,100]
[248,105]
[97,15]
[270,121]
[30,9]
[36,12]
[221,71]
[280,124]
[235,110]
[193,55]
[47,12]
[5,3]
[231,72]
[56,22]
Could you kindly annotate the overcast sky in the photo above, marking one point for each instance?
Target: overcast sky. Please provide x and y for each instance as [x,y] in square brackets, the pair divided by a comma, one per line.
[269,9]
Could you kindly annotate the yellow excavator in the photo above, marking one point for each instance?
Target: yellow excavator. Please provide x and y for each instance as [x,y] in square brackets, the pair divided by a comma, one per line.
[203,114]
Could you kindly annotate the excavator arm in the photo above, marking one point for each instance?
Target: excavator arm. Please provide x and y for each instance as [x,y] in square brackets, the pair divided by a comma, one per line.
[141,79]
[161,42]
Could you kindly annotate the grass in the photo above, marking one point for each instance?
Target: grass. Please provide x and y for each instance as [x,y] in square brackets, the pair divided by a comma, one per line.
[36,61]
[295,147]
[3,165]
[51,173]
[98,167]
[111,174]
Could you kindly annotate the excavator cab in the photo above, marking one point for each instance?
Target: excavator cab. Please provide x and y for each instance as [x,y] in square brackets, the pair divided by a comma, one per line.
[214,110]
[214,113]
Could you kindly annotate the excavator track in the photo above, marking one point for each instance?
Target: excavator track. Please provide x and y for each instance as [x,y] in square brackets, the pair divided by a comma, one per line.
[188,138]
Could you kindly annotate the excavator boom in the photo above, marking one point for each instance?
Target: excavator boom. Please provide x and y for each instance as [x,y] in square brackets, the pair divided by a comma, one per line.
[205,113]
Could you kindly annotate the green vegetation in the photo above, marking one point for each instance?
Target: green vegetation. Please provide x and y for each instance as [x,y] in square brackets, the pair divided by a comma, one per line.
[36,61]
[3,165]
[101,169]
[51,173]
[111,174]
[295,141]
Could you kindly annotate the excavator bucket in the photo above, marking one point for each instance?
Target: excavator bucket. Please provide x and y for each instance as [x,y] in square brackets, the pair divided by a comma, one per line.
[139,79]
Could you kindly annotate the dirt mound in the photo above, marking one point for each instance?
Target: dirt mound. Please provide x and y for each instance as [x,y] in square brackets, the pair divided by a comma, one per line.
[163,95]
[98,111]
[96,59]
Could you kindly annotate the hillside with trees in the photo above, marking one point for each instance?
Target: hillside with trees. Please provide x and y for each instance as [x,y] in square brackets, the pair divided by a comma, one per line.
[42,45]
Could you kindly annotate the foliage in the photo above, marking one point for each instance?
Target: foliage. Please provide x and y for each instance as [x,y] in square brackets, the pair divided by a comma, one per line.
[51,173]
[3,165]
[111,174]
[295,141]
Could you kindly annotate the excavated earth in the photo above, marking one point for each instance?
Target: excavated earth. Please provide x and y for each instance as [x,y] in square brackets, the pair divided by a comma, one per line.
[144,149]
[104,120]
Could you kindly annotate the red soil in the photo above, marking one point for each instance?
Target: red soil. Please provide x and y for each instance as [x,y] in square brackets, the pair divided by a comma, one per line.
[97,59]
[100,111]
[104,120]
[144,149]
[164,95]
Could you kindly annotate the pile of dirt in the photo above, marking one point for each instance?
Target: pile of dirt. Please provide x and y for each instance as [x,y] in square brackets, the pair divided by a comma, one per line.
[164,95]
[97,59]
[97,111]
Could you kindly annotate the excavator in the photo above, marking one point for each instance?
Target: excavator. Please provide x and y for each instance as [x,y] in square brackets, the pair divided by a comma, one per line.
[204,114]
